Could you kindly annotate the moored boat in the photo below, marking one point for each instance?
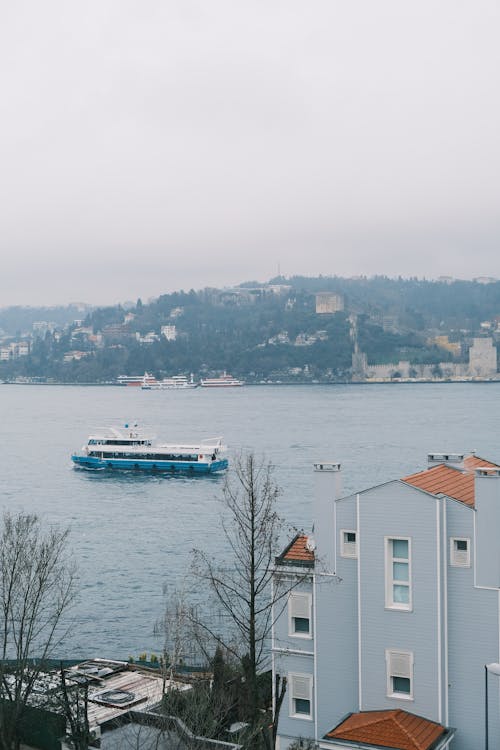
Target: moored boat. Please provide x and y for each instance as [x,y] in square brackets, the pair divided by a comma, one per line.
[131,448]
[176,382]
[224,381]
[136,380]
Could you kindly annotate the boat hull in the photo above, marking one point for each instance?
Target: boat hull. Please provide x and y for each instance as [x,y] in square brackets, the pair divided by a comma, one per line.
[138,464]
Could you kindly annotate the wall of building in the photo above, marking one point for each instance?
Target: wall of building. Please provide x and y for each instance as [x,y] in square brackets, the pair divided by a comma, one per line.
[389,511]
[337,626]
[473,640]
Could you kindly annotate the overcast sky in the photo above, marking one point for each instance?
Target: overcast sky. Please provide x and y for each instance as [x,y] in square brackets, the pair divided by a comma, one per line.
[154,145]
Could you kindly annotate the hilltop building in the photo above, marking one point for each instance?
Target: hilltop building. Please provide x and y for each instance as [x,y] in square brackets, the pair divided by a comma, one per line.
[170,332]
[329,302]
[14,350]
[385,638]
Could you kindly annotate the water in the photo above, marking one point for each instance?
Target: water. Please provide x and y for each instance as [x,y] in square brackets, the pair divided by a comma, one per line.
[131,534]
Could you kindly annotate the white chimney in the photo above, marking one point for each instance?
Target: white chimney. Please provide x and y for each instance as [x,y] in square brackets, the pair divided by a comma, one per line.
[456,460]
[327,489]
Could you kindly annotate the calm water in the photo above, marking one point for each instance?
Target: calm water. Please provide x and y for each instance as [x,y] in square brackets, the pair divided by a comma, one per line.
[132,534]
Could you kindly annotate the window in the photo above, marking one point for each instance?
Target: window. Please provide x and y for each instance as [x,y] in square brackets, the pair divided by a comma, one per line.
[348,545]
[300,686]
[398,573]
[399,674]
[460,552]
[299,615]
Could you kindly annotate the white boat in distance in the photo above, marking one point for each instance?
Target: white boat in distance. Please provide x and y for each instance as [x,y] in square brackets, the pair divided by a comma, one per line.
[135,380]
[224,381]
[131,448]
[176,382]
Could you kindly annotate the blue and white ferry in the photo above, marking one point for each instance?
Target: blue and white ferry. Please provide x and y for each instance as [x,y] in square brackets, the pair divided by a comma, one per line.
[130,448]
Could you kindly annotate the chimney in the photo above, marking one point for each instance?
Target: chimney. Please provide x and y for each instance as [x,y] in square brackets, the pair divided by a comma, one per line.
[327,489]
[487,549]
[455,460]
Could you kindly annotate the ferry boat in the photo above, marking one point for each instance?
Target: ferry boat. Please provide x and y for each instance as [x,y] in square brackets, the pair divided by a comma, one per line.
[131,448]
[224,381]
[135,380]
[177,382]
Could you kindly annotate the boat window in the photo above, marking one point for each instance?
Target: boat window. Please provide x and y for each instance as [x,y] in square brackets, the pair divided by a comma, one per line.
[145,456]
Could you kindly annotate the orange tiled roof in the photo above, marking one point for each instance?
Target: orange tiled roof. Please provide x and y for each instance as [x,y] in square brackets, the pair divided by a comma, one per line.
[447,480]
[474,462]
[394,729]
[297,551]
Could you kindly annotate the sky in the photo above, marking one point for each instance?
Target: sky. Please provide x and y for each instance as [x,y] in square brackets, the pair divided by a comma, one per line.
[154,145]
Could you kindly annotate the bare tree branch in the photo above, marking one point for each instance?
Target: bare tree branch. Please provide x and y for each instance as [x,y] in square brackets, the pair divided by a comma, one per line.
[37,587]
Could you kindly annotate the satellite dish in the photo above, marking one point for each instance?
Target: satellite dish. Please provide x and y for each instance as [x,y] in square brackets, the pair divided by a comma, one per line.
[310,544]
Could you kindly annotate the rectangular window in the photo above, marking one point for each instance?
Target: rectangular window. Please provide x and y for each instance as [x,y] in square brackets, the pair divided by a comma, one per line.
[460,552]
[398,593]
[300,687]
[299,615]
[399,674]
[348,544]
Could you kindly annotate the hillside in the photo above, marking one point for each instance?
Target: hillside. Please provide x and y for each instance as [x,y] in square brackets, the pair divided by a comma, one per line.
[281,330]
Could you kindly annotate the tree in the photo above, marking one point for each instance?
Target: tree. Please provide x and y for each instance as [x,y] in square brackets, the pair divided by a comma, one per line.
[241,587]
[74,705]
[37,586]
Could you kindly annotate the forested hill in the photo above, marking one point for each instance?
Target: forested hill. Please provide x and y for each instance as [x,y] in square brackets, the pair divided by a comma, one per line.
[278,330]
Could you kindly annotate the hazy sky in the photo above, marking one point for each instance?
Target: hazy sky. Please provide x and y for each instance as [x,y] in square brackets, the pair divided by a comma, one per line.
[154,145]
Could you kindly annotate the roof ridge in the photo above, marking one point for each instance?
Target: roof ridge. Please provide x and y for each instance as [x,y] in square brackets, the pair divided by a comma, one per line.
[403,728]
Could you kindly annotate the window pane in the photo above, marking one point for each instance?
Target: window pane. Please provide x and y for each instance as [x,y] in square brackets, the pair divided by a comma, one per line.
[301,624]
[400,548]
[302,706]
[400,571]
[350,536]
[401,594]
[401,685]
[461,545]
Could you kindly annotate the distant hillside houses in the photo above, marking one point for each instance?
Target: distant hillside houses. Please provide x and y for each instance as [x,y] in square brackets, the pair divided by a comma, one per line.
[14,350]
[482,364]
[329,303]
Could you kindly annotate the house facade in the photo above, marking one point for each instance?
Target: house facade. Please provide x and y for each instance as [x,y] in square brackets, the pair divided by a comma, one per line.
[395,614]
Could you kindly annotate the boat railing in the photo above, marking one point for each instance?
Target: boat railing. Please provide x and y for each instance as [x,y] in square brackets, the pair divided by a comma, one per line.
[212,443]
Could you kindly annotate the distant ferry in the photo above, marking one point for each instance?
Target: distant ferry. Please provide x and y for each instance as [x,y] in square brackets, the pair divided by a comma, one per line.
[177,382]
[135,380]
[224,381]
[131,448]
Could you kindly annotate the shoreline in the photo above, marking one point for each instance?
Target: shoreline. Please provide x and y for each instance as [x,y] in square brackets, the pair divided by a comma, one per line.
[444,381]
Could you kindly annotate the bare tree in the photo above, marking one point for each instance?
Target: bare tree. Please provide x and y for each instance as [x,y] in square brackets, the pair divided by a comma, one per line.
[206,706]
[241,586]
[73,701]
[37,586]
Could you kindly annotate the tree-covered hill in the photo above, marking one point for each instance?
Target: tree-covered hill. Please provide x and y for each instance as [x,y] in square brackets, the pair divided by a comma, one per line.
[257,331]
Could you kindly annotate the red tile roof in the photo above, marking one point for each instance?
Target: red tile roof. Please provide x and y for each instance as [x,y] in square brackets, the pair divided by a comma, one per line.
[297,551]
[447,480]
[394,729]
[474,462]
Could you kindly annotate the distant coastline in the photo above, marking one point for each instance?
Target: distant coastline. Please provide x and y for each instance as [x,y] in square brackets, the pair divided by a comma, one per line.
[276,383]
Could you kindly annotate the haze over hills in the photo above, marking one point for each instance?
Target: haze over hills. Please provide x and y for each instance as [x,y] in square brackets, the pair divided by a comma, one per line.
[298,328]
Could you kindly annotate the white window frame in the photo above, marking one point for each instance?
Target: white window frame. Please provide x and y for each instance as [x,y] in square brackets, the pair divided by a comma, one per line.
[295,596]
[391,655]
[292,695]
[459,559]
[390,582]
[348,549]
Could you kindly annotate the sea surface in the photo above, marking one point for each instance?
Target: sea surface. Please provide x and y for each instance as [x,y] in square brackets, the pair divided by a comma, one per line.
[133,534]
